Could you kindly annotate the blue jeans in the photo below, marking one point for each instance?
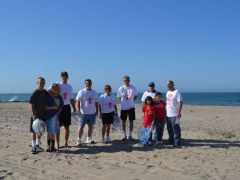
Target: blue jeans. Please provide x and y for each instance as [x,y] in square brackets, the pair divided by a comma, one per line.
[159,129]
[174,131]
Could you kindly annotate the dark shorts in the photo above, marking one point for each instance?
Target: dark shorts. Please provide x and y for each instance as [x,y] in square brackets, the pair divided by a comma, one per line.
[107,118]
[65,116]
[130,113]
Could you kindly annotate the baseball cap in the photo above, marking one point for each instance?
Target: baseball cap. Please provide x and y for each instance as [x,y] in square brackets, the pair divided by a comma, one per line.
[151,84]
[64,74]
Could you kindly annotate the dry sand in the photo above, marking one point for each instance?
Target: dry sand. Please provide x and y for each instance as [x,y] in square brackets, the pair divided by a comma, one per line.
[211,150]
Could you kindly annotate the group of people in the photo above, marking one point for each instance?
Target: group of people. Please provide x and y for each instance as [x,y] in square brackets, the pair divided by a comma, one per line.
[55,105]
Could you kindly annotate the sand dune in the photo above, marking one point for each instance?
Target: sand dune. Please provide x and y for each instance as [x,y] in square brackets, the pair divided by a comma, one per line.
[211,150]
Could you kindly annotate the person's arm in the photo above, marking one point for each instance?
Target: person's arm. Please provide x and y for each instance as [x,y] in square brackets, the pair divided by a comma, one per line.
[115,108]
[100,110]
[77,105]
[72,101]
[34,111]
[179,109]
[96,105]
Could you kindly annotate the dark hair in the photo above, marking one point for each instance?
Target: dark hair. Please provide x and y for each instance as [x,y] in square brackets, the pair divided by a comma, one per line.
[107,87]
[89,80]
[41,78]
[149,98]
[158,94]
[64,74]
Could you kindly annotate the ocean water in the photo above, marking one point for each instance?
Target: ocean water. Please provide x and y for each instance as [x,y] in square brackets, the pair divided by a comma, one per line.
[215,99]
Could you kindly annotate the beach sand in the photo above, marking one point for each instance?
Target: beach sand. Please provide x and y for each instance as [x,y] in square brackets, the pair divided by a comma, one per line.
[211,150]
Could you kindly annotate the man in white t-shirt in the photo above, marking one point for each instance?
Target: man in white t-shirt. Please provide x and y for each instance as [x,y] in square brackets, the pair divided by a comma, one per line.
[150,92]
[127,94]
[174,107]
[87,104]
[66,91]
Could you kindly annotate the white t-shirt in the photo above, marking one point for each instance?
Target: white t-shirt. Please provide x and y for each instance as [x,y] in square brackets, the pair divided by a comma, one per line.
[66,92]
[88,100]
[173,98]
[148,93]
[127,94]
[107,103]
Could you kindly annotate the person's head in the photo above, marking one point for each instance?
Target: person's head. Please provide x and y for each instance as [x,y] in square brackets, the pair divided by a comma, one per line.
[55,89]
[64,77]
[40,83]
[170,85]
[88,84]
[151,86]
[149,100]
[158,96]
[107,89]
[126,80]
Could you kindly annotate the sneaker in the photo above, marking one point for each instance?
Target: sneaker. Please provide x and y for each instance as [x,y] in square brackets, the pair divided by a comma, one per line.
[130,138]
[108,140]
[89,141]
[78,142]
[39,148]
[34,150]
[124,138]
[103,141]
[159,143]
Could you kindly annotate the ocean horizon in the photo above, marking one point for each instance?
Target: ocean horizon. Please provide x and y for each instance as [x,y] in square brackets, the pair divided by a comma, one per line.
[193,98]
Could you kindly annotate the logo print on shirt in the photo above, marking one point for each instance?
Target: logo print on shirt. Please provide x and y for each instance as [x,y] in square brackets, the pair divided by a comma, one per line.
[89,100]
[65,95]
[110,105]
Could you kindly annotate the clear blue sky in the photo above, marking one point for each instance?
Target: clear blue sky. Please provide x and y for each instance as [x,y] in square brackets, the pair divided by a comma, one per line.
[196,43]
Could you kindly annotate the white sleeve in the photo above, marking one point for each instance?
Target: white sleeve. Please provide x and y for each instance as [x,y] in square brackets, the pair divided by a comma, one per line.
[119,92]
[143,97]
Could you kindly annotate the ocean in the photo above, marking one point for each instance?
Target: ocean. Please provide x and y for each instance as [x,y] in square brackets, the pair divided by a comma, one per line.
[211,99]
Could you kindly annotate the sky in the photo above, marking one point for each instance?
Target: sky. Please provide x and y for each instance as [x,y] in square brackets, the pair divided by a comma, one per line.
[195,43]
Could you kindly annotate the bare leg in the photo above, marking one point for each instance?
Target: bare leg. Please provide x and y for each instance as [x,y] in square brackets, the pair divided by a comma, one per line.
[103,131]
[108,130]
[90,129]
[66,134]
[80,131]
[58,139]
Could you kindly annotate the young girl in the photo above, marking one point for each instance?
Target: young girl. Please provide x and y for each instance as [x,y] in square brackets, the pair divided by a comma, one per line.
[160,116]
[55,104]
[148,114]
[107,108]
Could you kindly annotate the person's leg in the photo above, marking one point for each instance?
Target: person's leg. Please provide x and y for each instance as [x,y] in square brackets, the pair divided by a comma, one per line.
[170,131]
[158,129]
[162,124]
[177,135]
[67,131]
[131,114]
[103,131]
[108,130]
[58,139]
[124,119]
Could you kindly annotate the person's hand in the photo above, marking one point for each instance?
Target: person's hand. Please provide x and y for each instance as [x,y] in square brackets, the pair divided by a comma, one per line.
[179,115]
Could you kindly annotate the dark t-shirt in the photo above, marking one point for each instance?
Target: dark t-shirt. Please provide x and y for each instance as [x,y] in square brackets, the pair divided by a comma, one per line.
[39,103]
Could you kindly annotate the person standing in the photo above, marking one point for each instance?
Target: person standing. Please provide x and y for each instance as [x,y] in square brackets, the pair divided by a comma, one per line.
[87,104]
[127,94]
[66,91]
[55,104]
[150,92]
[174,107]
[107,109]
[38,103]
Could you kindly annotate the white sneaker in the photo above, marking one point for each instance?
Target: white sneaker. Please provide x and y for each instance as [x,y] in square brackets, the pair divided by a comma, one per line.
[108,140]
[89,141]
[103,141]
[78,142]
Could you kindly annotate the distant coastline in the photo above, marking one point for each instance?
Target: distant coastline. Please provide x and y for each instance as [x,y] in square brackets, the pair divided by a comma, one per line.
[194,98]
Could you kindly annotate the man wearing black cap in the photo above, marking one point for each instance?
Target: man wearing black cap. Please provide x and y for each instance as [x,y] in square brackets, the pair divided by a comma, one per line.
[150,92]
[66,92]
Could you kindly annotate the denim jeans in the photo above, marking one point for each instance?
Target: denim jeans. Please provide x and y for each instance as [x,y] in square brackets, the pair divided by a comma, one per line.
[174,131]
[159,129]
